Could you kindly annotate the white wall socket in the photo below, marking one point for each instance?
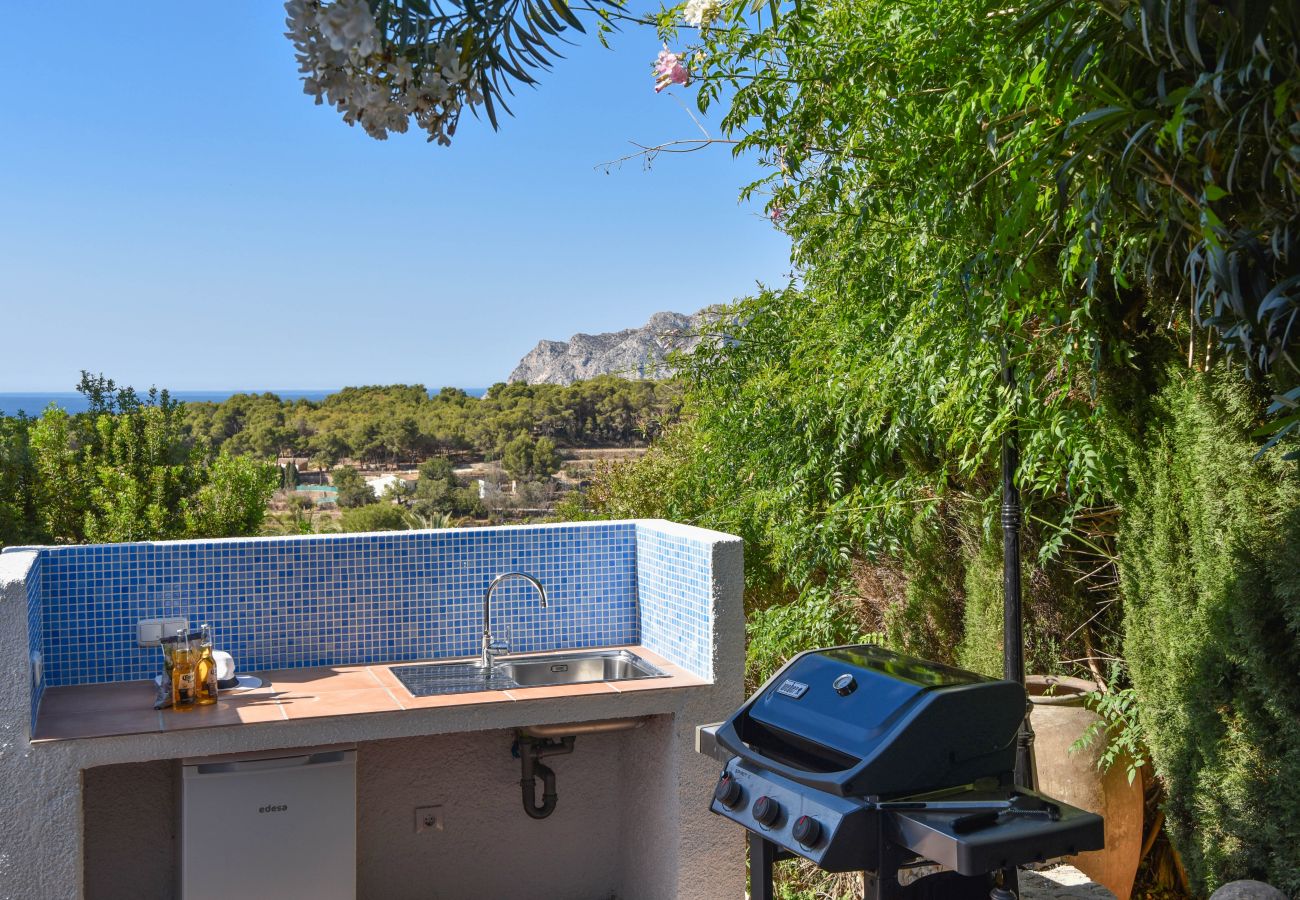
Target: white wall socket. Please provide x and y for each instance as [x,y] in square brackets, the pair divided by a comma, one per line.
[150,632]
[428,818]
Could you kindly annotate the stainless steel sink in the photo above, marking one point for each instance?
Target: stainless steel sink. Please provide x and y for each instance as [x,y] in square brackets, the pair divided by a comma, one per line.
[578,667]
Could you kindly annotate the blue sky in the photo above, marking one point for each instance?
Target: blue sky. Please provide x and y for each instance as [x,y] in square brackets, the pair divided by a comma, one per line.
[177,212]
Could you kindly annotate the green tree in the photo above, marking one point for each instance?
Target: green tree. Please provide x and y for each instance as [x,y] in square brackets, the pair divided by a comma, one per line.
[353,490]
[61,481]
[437,469]
[546,461]
[326,449]
[18,517]
[517,456]
[435,489]
[1209,553]
[377,517]
[126,470]
[402,422]
[233,501]
[398,491]
[466,502]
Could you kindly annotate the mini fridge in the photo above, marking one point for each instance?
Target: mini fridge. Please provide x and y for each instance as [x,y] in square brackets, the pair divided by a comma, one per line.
[270,825]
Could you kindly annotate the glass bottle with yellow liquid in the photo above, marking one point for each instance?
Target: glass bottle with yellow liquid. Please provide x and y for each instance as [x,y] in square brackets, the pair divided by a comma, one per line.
[185,659]
[205,676]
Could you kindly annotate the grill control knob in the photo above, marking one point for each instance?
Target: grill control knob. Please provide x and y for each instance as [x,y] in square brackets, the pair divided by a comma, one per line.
[845,684]
[728,792]
[806,830]
[766,811]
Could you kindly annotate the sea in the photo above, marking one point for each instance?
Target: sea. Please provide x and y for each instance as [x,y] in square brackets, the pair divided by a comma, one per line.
[11,404]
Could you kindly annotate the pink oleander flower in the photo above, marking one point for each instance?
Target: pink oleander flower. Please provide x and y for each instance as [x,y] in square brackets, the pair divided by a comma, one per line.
[669,69]
[777,214]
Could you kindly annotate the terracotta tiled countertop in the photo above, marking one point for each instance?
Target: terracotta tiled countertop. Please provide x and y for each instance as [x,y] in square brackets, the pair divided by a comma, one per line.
[126,707]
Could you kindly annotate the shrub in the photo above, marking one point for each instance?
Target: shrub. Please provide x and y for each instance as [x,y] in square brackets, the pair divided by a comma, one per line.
[778,632]
[353,490]
[981,644]
[927,620]
[1210,569]
[377,517]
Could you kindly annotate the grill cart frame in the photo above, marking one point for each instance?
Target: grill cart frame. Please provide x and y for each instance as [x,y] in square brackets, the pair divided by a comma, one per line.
[860,759]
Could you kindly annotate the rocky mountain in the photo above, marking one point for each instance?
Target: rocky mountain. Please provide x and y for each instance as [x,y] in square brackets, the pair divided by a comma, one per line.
[631,353]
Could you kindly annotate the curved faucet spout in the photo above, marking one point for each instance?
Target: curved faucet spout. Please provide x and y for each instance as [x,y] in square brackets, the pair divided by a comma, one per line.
[490,646]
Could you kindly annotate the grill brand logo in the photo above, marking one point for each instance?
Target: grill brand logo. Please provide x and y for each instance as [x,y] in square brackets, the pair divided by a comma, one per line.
[792,688]
[274,808]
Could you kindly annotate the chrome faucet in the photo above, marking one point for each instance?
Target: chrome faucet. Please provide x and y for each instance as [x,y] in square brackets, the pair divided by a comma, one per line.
[491,646]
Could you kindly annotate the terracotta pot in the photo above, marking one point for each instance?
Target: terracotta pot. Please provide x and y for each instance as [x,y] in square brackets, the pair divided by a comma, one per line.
[1059,718]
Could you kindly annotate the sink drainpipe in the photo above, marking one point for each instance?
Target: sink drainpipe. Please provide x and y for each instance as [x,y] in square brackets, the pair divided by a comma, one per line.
[531,751]
[536,741]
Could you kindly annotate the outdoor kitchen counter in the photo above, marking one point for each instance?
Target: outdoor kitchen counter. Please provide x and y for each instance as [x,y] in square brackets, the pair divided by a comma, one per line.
[126,708]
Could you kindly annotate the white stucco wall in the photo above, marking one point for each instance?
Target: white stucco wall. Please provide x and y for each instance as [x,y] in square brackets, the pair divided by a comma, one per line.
[40,795]
[671,847]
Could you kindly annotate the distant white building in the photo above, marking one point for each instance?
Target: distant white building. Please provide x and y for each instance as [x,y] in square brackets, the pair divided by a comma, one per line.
[381,483]
[487,489]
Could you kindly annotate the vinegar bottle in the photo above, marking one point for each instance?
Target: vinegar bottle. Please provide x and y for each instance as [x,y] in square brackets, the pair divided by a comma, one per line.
[184,665]
[205,676]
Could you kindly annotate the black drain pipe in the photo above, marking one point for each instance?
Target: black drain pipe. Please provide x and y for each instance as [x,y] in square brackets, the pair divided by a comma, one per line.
[531,750]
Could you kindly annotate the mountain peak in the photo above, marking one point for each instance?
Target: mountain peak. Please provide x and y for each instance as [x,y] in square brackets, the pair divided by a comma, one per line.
[630,353]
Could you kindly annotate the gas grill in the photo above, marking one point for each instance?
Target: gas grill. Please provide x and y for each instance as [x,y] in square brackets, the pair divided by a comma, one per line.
[861,759]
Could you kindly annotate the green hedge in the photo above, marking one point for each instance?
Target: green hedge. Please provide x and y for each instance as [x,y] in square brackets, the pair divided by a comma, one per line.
[1054,607]
[1210,571]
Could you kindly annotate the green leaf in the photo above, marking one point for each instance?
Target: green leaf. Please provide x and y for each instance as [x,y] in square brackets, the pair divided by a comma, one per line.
[1096,115]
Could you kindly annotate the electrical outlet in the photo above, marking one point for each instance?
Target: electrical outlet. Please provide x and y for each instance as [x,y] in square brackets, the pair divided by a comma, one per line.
[150,631]
[428,818]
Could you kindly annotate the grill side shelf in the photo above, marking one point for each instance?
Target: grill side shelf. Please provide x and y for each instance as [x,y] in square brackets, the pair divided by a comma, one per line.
[1010,841]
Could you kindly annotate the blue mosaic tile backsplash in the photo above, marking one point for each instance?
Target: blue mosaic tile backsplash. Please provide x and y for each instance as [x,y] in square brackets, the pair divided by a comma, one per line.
[351,599]
[35,626]
[675,585]
[336,599]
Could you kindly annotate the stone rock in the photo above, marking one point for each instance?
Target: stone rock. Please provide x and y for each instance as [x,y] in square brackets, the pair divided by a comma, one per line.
[1062,882]
[631,353]
[1247,890]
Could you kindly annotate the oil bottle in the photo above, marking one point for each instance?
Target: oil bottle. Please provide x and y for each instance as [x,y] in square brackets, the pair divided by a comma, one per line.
[184,666]
[205,675]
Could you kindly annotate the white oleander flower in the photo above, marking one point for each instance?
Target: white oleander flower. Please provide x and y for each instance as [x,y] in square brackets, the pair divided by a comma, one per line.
[349,26]
[701,13]
[448,60]
[342,57]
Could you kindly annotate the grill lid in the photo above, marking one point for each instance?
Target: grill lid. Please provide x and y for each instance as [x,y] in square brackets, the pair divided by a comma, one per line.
[863,720]
[877,688]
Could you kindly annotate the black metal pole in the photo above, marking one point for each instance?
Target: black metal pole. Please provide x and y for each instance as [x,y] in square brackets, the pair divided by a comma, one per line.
[1013,640]
[762,854]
